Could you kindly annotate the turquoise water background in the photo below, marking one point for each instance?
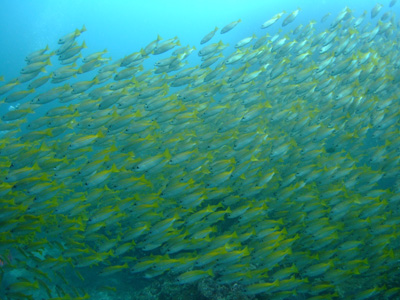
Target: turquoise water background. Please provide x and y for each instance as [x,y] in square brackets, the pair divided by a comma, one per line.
[126,26]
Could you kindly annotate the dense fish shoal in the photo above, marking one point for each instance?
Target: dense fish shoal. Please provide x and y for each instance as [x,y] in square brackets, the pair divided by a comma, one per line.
[270,167]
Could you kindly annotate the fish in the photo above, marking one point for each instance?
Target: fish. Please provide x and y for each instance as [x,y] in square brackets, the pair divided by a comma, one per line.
[325,17]
[16,114]
[94,56]
[72,35]
[242,166]
[22,286]
[40,58]
[16,96]
[273,20]
[259,288]
[151,46]
[34,67]
[341,16]
[8,87]
[208,36]
[165,46]
[230,26]
[376,10]
[71,52]
[192,276]
[113,269]
[37,53]
[210,49]
[245,41]
[84,141]
[82,86]
[291,17]
[39,81]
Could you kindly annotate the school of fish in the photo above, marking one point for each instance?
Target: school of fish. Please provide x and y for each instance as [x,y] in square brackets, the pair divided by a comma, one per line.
[274,166]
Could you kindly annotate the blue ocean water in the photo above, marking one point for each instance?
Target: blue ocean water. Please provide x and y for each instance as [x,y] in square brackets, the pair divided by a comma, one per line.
[126,26]
[123,27]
